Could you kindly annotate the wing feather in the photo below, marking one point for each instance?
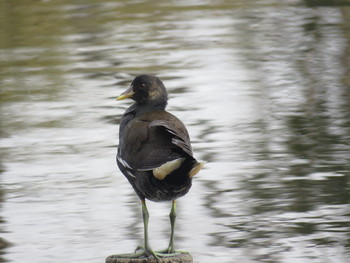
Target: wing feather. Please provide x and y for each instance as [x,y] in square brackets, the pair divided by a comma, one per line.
[160,137]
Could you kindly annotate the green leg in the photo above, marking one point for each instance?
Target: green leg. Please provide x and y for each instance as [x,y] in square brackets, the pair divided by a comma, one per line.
[170,251]
[145,215]
[172,217]
[146,250]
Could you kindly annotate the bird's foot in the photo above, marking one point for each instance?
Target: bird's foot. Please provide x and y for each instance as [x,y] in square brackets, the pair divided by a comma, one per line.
[169,252]
[140,252]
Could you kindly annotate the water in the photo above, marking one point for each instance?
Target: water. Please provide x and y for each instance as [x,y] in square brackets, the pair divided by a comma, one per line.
[263,87]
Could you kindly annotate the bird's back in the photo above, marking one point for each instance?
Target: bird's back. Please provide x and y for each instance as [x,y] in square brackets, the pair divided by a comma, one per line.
[148,141]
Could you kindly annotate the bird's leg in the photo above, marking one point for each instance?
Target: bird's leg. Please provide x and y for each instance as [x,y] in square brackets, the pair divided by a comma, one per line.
[146,250]
[170,251]
[172,217]
[145,215]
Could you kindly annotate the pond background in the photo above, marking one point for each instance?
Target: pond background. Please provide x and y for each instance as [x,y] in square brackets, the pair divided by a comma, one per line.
[262,85]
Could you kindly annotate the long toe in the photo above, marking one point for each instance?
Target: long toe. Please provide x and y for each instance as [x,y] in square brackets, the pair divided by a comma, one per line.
[140,252]
[170,252]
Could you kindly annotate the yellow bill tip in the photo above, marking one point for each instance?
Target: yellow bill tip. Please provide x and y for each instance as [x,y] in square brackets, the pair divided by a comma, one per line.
[125,95]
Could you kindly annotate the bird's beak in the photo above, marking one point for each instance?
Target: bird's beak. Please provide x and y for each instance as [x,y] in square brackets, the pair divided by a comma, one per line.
[126,94]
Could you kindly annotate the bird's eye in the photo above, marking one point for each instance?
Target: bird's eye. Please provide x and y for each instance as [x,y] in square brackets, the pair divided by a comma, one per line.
[143,85]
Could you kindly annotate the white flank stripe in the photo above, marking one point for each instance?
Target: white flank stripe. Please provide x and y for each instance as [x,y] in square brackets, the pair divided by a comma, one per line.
[129,173]
[124,163]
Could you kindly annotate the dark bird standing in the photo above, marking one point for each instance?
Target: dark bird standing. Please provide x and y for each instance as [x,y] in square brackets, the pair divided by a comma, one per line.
[154,152]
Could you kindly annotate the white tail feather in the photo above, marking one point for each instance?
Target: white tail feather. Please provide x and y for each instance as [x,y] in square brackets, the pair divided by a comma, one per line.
[162,171]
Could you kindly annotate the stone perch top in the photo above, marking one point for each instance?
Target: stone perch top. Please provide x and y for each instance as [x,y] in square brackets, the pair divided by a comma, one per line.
[181,258]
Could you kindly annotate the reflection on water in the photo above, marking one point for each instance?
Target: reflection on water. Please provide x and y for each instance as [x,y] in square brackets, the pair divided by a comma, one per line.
[263,86]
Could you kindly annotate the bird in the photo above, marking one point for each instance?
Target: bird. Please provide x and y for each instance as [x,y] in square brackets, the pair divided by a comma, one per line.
[154,153]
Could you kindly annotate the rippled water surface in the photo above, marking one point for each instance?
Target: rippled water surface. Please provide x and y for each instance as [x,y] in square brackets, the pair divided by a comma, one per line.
[263,87]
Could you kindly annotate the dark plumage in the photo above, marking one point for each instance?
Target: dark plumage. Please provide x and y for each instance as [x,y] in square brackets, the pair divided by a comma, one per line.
[154,152]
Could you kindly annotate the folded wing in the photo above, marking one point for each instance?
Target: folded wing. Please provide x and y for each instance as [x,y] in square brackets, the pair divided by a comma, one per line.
[161,138]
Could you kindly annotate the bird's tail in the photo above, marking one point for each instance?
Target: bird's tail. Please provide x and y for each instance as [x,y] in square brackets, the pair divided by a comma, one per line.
[196,168]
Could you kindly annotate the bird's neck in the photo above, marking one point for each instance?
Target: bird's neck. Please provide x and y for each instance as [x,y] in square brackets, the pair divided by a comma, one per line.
[137,109]
[143,108]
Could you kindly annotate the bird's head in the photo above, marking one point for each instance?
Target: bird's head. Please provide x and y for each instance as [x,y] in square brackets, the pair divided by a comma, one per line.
[146,89]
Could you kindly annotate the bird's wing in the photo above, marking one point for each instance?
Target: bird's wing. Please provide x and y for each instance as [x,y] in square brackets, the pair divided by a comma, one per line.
[159,138]
[179,133]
